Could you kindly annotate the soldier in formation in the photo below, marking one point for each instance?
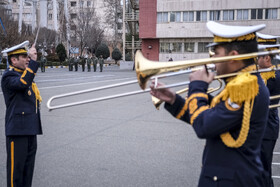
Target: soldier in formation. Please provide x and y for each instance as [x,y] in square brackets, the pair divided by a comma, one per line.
[88,61]
[43,62]
[95,61]
[101,62]
[83,63]
[76,63]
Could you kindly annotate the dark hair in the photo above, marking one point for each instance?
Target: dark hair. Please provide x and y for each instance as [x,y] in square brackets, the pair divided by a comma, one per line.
[9,58]
[242,47]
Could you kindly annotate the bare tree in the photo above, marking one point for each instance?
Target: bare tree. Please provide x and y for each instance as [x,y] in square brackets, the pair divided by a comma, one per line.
[62,23]
[86,29]
[46,39]
[113,12]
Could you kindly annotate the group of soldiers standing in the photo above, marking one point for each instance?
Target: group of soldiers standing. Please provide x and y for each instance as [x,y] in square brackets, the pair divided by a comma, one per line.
[75,61]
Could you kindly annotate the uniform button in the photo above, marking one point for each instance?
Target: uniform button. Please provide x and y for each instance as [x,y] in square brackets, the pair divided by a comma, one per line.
[22,113]
[215,178]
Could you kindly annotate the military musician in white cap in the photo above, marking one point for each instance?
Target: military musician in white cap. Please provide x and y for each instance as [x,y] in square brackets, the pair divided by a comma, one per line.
[233,121]
[22,121]
[272,81]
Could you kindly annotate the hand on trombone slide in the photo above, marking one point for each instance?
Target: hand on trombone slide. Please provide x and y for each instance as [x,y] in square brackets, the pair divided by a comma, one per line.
[164,94]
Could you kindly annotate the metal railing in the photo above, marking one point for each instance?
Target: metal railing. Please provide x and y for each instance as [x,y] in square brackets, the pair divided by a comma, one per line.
[132,16]
[137,44]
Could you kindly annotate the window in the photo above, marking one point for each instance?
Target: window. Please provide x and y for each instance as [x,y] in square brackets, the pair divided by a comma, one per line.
[176,47]
[164,47]
[73,27]
[50,6]
[14,1]
[228,15]
[201,16]
[188,16]
[175,16]
[159,17]
[202,47]
[73,3]
[271,13]
[27,4]
[189,47]
[178,17]
[214,15]
[242,15]
[9,12]
[119,26]
[88,3]
[172,16]
[73,16]
[50,17]
[162,17]
[27,16]
[257,14]
[16,17]
[81,3]
[165,17]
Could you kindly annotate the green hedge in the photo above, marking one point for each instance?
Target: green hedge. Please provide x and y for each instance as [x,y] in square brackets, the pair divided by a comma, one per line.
[3,66]
[65,63]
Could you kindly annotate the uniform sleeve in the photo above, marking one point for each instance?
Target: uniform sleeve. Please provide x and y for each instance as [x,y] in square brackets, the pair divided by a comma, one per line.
[273,85]
[14,82]
[184,109]
[207,122]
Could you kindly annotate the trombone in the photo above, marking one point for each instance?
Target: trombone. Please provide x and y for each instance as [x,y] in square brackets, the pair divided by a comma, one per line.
[146,69]
[53,107]
[274,97]
[157,102]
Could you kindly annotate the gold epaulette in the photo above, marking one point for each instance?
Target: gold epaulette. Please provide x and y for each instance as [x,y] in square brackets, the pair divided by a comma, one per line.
[241,89]
[268,75]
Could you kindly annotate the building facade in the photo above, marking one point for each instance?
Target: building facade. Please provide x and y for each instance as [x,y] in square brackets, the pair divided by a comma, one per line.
[43,11]
[177,29]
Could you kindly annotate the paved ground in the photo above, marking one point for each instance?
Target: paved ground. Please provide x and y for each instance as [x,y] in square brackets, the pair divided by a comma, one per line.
[120,142]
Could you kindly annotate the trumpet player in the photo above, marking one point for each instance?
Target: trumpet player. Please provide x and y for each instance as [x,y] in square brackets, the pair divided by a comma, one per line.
[272,81]
[232,122]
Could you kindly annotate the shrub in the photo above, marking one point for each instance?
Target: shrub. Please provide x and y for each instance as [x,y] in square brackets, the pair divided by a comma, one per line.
[116,54]
[61,52]
[103,50]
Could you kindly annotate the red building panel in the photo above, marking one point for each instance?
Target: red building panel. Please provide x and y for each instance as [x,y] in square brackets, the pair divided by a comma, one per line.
[150,49]
[147,18]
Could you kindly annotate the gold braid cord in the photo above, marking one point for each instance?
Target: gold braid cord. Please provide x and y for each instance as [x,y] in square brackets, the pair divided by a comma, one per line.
[228,139]
[267,75]
[242,89]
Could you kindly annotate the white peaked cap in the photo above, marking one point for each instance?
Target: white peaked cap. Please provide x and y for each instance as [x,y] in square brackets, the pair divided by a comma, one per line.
[266,36]
[16,49]
[264,47]
[228,33]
